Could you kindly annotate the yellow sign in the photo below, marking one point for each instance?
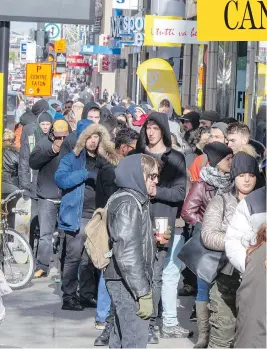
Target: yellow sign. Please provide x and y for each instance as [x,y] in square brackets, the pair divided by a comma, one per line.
[231,20]
[38,79]
[1,128]
[159,81]
[60,46]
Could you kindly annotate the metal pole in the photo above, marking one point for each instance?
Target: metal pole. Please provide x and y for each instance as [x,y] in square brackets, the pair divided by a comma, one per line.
[4,58]
[138,80]
[40,42]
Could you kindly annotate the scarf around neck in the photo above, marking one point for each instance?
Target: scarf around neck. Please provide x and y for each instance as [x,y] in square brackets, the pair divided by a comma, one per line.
[213,177]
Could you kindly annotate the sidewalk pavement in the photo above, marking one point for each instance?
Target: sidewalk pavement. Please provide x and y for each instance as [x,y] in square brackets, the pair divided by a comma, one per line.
[35,320]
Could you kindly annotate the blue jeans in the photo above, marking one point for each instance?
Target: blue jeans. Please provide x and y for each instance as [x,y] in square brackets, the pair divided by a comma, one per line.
[103,301]
[203,290]
[171,277]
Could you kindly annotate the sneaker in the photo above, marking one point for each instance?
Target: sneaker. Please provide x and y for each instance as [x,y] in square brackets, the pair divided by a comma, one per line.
[40,274]
[100,325]
[152,337]
[193,316]
[187,291]
[175,332]
[103,339]
[88,303]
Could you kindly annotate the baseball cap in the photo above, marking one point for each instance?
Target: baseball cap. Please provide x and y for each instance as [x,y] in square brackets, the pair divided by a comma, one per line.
[60,128]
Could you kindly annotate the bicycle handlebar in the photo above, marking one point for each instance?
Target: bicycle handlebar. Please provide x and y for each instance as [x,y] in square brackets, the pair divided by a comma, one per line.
[12,196]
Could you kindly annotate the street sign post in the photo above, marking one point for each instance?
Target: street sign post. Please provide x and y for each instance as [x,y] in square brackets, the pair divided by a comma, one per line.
[60,46]
[38,80]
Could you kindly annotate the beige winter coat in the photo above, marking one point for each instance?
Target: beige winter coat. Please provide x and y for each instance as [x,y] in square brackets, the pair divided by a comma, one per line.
[215,224]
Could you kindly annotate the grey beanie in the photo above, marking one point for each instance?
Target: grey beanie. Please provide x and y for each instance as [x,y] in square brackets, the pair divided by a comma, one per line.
[221,126]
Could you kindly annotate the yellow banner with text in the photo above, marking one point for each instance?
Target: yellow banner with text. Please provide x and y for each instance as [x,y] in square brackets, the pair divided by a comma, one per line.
[232,20]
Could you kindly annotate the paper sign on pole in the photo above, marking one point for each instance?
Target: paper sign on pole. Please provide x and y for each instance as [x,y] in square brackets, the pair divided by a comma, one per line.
[38,79]
[159,81]
[60,46]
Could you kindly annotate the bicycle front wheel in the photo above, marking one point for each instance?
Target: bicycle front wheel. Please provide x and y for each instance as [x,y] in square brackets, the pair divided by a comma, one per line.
[18,261]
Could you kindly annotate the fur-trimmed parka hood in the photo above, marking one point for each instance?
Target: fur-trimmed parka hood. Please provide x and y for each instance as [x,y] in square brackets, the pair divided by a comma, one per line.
[106,148]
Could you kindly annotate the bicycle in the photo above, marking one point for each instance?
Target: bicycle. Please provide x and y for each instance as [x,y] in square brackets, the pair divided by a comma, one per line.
[16,255]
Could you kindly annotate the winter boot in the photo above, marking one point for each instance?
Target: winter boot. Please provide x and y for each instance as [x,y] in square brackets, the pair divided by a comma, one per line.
[203,315]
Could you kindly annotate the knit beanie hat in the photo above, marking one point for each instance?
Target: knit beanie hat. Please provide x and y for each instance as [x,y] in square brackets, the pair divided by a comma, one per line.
[143,108]
[221,126]
[45,116]
[192,117]
[216,151]
[244,163]
[210,115]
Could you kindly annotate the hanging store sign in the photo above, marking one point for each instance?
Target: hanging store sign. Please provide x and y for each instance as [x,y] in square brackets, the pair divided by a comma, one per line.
[77,61]
[125,4]
[170,31]
[129,30]
[107,64]
[99,50]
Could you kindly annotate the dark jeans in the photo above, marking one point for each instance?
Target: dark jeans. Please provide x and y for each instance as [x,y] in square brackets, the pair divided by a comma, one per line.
[129,330]
[76,262]
[157,282]
[47,215]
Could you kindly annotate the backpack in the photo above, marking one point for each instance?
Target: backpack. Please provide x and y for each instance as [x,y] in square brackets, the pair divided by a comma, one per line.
[97,237]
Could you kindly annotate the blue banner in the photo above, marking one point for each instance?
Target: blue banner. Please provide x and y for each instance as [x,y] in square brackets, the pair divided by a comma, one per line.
[99,50]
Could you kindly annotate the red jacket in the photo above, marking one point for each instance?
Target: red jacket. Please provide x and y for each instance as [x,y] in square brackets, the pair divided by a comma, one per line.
[141,121]
[197,201]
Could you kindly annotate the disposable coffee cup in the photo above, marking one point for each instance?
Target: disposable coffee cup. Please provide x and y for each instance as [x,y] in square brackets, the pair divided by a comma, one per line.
[161,227]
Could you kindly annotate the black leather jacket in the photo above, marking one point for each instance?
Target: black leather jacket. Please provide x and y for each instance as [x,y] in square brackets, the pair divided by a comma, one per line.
[133,242]
[10,170]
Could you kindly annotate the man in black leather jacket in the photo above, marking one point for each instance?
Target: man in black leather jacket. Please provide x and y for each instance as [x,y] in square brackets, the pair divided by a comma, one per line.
[155,140]
[129,274]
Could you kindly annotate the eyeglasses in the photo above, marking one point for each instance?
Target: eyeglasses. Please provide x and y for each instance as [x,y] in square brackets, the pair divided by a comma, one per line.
[154,176]
[129,146]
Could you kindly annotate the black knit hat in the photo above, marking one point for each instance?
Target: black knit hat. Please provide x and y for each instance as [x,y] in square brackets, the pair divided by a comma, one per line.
[244,163]
[210,115]
[192,117]
[45,116]
[216,151]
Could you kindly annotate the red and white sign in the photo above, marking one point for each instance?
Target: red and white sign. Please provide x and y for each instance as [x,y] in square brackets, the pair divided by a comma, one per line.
[77,61]
[107,64]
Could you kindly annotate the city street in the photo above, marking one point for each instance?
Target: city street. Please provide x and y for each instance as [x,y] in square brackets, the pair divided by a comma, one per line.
[35,320]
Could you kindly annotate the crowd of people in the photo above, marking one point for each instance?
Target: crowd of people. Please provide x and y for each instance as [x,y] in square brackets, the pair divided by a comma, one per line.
[201,172]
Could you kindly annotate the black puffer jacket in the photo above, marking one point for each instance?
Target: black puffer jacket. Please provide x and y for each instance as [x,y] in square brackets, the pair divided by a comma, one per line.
[10,170]
[105,182]
[172,182]
[131,232]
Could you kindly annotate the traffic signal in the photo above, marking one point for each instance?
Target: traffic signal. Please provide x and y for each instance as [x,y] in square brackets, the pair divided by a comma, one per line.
[46,45]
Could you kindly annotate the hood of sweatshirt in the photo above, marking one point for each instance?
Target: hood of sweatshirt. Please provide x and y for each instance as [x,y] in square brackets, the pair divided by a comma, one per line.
[129,174]
[161,120]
